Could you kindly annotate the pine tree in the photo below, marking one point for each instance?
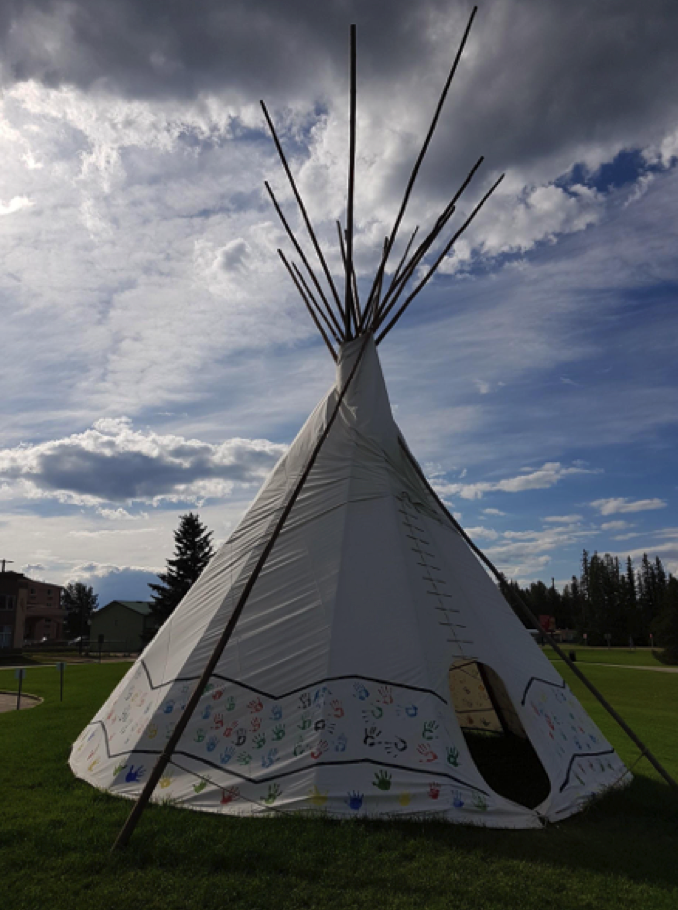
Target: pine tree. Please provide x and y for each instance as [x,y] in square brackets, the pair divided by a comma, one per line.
[666,624]
[192,551]
[79,601]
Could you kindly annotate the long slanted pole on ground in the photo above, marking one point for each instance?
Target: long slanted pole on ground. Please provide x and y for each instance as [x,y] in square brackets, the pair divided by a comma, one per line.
[302,208]
[350,304]
[656,764]
[424,149]
[159,769]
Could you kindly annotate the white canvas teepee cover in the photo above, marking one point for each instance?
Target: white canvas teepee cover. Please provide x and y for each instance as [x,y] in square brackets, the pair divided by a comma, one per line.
[333,694]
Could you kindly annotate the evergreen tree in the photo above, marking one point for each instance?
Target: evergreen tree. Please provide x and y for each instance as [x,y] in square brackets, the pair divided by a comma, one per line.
[79,601]
[666,625]
[192,551]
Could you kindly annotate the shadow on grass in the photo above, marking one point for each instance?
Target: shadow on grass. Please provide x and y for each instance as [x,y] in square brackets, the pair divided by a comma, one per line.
[630,834]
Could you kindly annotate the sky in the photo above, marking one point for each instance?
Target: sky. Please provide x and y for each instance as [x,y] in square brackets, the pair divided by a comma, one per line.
[155,358]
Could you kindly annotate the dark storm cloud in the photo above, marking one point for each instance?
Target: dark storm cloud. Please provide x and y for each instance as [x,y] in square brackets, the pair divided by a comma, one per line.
[561,78]
[112,463]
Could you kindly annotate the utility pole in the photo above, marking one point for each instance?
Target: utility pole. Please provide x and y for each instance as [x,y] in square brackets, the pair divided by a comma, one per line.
[3,564]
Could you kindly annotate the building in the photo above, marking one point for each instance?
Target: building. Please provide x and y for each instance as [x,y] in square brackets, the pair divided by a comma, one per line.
[29,610]
[126,625]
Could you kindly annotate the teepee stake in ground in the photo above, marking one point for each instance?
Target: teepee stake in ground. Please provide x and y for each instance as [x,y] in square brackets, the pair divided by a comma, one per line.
[345,647]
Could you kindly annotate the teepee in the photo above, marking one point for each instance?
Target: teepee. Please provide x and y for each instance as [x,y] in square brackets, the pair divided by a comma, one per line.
[343,646]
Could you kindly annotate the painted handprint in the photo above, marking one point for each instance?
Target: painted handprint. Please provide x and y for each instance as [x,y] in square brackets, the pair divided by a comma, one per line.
[255,723]
[371,737]
[278,732]
[240,736]
[397,746]
[207,712]
[199,735]
[228,796]
[212,743]
[229,704]
[321,747]
[373,713]
[132,776]
[274,792]
[244,758]
[354,800]
[200,786]
[227,755]
[479,802]
[218,721]
[216,695]
[359,691]
[429,731]
[434,791]
[386,695]
[269,759]
[300,747]
[409,710]
[170,730]
[232,727]
[337,708]
[305,722]
[304,701]
[457,799]
[259,741]
[426,752]
[405,799]
[119,768]
[276,712]
[151,731]
[169,707]
[165,781]
[453,756]
[317,797]
[382,780]
[92,765]
[255,706]
[340,743]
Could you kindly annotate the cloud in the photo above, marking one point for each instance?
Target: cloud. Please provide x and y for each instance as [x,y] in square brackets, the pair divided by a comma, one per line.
[112,462]
[492,512]
[615,525]
[547,476]
[15,205]
[562,519]
[621,505]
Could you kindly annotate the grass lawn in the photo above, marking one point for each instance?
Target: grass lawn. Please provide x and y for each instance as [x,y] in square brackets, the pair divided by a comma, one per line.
[644,658]
[56,832]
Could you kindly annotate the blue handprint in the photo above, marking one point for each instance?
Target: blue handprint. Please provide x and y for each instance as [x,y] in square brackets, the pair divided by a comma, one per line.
[227,755]
[133,776]
[360,691]
[341,742]
[457,801]
[212,743]
[354,800]
[206,713]
[169,707]
[276,712]
[269,759]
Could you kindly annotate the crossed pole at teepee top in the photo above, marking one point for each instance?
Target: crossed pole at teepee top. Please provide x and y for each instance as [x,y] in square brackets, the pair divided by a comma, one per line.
[343,322]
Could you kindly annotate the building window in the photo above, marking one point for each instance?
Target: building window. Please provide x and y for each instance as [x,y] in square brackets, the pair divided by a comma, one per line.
[5,636]
[7,601]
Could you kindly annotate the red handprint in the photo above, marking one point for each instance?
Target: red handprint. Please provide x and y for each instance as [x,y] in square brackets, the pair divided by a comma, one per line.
[255,706]
[255,723]
[434,791]
[319,749]
[337,709]
[426,752]
[218,722]
[227,796]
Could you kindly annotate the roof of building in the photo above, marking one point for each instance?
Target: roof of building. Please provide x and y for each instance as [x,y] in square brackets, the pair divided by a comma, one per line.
[139,606]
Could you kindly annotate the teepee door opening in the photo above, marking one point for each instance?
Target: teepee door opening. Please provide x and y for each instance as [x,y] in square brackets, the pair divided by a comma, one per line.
[494,734]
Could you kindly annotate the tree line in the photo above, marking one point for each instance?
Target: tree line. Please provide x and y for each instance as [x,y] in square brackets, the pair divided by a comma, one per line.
[609,598]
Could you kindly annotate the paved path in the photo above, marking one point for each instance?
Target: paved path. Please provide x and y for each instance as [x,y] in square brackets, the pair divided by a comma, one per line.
[591,663]
[8,701]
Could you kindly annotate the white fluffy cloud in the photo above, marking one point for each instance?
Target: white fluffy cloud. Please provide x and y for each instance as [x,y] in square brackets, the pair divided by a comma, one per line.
[622,505]
[547,476]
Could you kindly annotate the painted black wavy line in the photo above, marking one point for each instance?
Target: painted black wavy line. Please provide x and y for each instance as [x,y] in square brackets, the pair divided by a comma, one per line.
[581,755]
[548,682]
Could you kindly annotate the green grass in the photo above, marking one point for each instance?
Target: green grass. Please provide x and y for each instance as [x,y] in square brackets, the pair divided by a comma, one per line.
[56,832]
[623,656]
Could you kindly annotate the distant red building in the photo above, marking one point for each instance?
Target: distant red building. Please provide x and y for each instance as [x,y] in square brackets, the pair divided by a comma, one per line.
[29,610]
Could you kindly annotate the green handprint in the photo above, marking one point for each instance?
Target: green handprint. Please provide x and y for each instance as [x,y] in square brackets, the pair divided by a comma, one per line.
[274,792]
[305,722]
[479,802]
[278,732]
[429,731]
[382,780]
[259,741]
[453,756]
[119,768]
[244,758]
[199,787]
